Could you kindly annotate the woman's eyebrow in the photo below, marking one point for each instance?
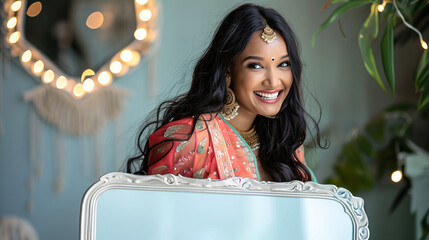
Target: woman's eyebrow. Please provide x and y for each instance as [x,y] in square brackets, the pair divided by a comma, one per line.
[253,57]
[260,58]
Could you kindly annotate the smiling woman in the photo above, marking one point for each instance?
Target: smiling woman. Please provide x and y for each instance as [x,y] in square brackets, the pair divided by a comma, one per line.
[243,114]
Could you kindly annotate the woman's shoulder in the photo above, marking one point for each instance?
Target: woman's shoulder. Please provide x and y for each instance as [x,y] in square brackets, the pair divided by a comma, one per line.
[182,128]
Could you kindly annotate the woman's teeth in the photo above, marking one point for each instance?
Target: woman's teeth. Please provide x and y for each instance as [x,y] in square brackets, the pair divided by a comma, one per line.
[267,96]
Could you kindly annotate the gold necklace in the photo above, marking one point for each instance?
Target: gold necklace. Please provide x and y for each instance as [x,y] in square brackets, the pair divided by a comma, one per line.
[251,137]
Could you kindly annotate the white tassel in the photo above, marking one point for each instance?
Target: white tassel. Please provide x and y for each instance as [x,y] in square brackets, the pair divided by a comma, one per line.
[77,116]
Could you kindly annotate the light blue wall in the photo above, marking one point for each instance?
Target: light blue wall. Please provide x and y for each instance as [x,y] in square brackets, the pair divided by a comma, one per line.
[333,72]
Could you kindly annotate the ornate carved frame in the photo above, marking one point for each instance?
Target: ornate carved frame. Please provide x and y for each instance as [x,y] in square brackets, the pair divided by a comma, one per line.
[353,206]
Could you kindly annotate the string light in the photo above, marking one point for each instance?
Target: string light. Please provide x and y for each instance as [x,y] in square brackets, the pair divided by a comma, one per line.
[116,67]
[104,78]
[141,2]
[38,67]
[11,23]
[87,73]
[48,76]
[14,37]
[140,34]
[396,176]
[61,82]
[88,85]
[26,56]
[135,59]
[34,9]
[145,15]
[422,42]
[126,55]
[78,90]
[95,20]
[16,6]
[380,7]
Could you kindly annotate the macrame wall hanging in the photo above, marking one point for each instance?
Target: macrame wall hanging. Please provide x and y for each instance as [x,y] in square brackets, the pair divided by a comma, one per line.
[75,49]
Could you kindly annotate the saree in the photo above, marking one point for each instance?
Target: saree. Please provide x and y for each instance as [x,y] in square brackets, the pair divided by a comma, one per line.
[214,150]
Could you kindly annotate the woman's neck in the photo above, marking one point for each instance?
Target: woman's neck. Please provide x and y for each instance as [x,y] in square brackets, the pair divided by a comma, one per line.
[243,121]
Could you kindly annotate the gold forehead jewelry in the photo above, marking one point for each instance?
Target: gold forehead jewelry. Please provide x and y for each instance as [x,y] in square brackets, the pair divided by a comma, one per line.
[268,34]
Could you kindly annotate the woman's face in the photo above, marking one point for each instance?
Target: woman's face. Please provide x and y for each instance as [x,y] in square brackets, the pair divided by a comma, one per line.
[261,77]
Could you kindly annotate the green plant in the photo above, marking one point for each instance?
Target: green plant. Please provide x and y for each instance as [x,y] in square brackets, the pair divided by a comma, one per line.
[413,11]
[378,148]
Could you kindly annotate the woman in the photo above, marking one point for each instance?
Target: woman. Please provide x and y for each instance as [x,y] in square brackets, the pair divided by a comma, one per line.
[243,115]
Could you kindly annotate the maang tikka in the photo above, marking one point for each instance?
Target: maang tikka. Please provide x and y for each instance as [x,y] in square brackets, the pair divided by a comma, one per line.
[268,34]
[231,106]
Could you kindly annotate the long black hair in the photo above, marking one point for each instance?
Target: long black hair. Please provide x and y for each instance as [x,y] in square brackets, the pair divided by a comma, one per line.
[279,137]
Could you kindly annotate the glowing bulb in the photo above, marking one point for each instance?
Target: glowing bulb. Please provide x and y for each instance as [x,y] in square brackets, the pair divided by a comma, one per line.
[116,67]
[104,78]
[126,55]
[135,60]
[48,76]
[61,82]
[142,2]
[380,8]
[424,44]
[78,90]
[396,176]
[145,15]
[11,23]
[140,34]
[87,73]
[88,85]
[26,56]
[38,67]
[16,6]
[34,9]
[95,20]
[14,37]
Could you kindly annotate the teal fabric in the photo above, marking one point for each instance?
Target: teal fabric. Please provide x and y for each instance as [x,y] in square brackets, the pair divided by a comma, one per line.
[312,175]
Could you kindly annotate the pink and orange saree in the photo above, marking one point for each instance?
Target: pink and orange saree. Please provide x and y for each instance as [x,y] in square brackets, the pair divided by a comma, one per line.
[214,150]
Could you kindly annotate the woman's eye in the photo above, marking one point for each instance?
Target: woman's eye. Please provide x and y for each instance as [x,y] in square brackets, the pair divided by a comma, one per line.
[284,64]
[254,66]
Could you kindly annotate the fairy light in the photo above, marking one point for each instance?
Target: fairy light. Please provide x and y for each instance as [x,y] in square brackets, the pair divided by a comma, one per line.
[48,76]
[26,56]
[141,2]
[422,42]
[396,176]
[34,9]
[87,73]
[135,59]
[11,23]
[126,55]
[78,90]
[145,15]
[104,78]
[61,82]
[88,85]
[140,34]
[380,7]
[38,67]
[16,6]
[116,67]
[14,37]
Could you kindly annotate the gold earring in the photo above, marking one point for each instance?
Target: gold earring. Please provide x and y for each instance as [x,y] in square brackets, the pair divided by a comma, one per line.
[231,106]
